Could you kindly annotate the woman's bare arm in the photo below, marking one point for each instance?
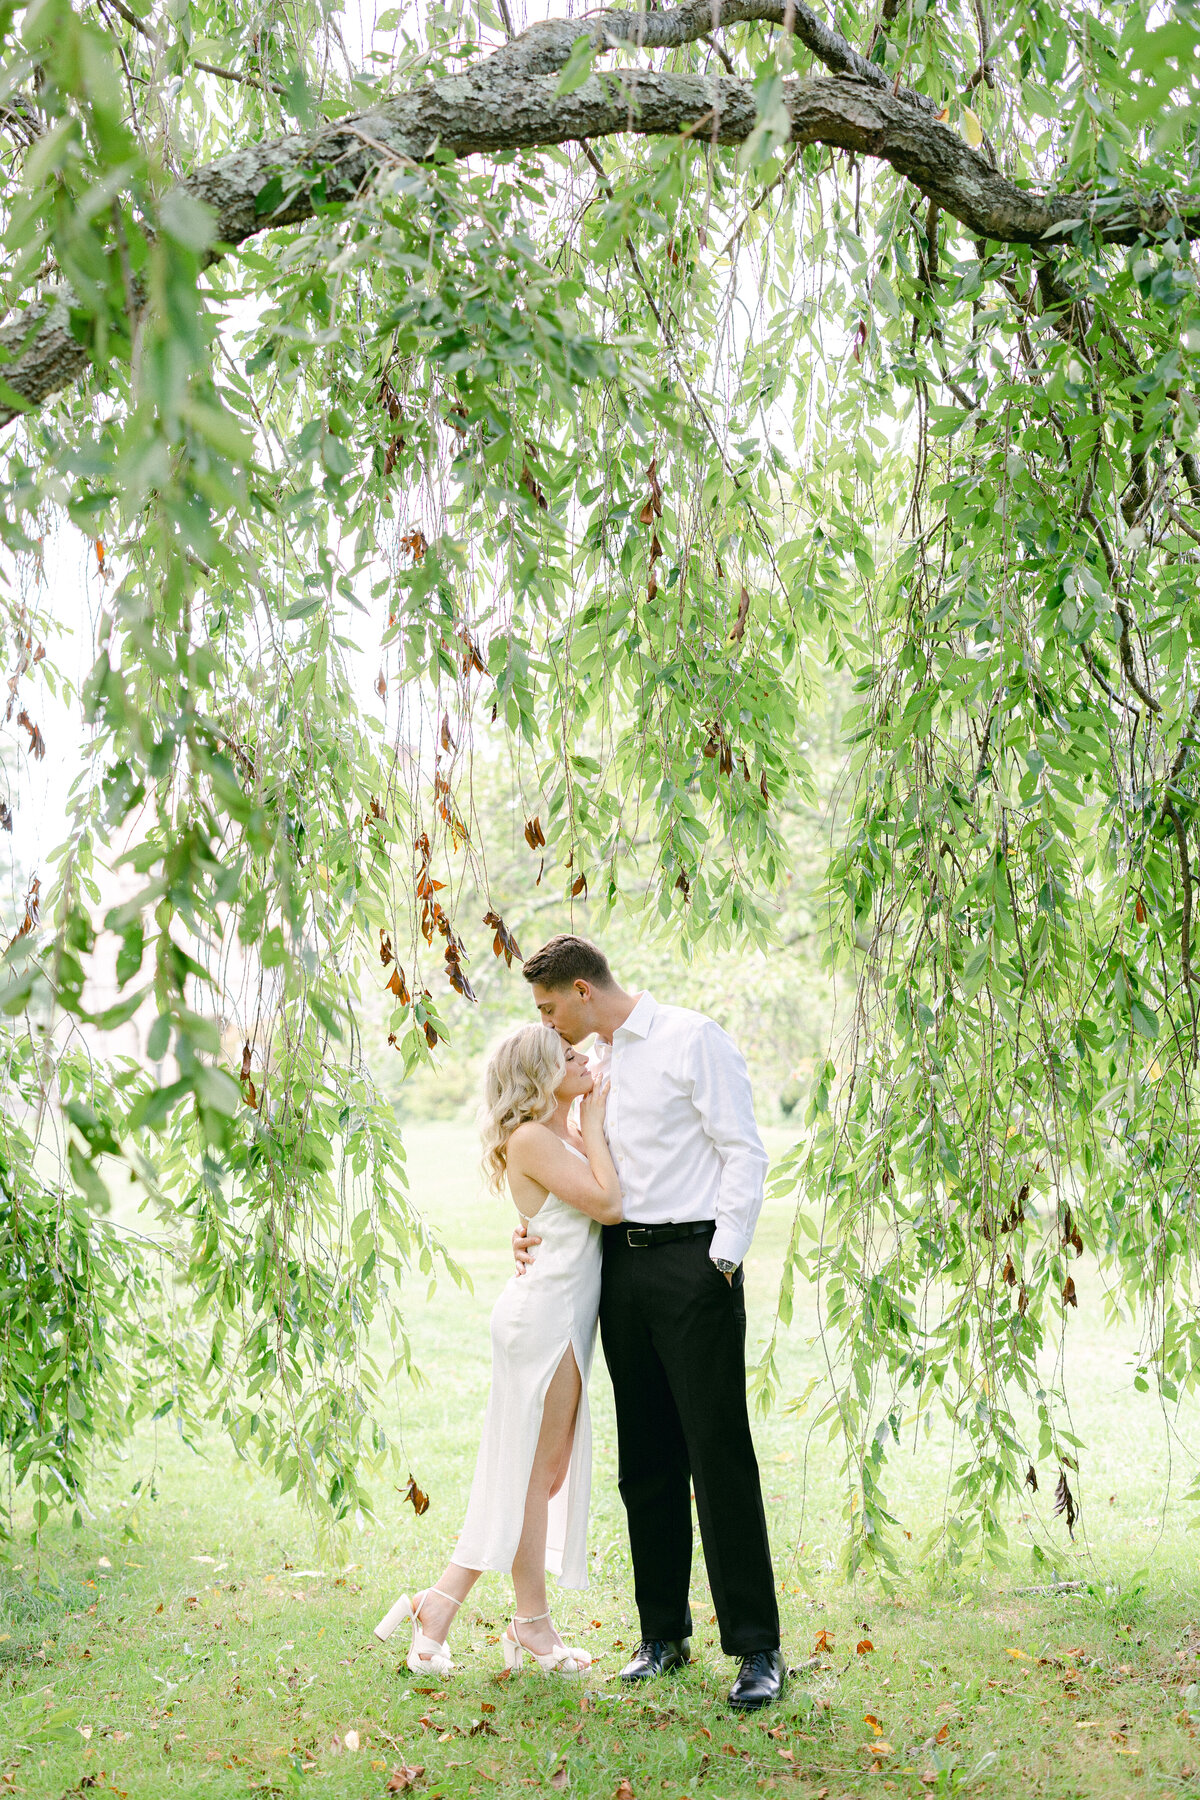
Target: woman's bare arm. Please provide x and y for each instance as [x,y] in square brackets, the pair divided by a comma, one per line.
[536,1154]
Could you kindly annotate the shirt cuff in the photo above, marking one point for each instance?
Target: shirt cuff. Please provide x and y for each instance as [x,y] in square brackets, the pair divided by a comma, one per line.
[728,1245]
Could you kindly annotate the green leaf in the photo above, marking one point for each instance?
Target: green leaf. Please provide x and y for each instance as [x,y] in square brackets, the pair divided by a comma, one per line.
[578,65]
[1144,1021]
[16,994]
[220,429]
[188,221]
[86,1179]
[215,1089]
[120,1011]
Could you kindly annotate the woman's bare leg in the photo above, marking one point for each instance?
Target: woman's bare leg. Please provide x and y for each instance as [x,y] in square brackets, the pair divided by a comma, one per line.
[437,1614]
[551,1462]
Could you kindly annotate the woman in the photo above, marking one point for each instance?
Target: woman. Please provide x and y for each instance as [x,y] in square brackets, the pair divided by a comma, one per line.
[528,1508]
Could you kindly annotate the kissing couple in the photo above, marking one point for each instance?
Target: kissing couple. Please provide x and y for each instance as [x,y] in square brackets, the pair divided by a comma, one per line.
[640,1217]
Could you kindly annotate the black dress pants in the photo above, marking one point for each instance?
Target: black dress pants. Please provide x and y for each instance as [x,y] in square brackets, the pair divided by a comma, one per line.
[674,1336]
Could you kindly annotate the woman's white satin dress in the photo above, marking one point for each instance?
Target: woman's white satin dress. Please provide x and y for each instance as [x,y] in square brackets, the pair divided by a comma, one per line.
[541,1314]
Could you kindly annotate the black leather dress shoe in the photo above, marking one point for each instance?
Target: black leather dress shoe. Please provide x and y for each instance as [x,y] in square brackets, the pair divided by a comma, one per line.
[760,1682]
[654,1656]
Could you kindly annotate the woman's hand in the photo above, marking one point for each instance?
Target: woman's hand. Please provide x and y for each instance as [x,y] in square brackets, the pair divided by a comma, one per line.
[592,1107]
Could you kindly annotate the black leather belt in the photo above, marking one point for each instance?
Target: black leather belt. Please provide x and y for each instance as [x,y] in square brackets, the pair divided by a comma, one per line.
[649,1237]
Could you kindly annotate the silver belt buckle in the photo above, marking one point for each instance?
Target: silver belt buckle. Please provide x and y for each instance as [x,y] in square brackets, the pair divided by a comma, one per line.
[637,1237]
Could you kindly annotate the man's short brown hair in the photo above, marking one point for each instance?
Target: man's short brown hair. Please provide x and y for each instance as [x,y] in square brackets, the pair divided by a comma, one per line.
[565,960]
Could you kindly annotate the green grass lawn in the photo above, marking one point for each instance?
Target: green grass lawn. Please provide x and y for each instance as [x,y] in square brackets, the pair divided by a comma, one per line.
[226,1650]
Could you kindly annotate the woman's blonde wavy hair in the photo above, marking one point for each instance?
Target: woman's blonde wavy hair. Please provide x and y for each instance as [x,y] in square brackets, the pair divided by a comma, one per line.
[520,1082]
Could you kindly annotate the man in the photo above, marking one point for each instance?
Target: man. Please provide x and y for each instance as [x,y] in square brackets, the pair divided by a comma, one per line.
[672,1316]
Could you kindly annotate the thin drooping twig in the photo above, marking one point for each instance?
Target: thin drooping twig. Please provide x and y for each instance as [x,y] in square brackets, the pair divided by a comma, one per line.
[984,71]
[1125,638]
[1185,924]
[139,25]
[266,87]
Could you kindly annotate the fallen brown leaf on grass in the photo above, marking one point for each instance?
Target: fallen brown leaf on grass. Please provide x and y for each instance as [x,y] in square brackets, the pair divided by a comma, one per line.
[559,1779]
[823,1644]
[863,1646]
[403,1777]
[624,1790]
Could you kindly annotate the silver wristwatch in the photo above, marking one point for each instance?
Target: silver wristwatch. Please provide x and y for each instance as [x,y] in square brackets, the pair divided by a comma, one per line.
[723,1265]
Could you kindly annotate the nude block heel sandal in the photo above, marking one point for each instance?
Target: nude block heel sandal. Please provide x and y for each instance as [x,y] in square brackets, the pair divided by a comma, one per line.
[425,1655]
[564,1659]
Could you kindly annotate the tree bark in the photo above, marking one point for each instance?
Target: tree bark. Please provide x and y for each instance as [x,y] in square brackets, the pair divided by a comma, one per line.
[510,100]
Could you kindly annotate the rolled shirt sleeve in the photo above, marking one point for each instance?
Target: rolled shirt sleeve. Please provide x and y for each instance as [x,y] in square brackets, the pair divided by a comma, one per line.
[723,1098]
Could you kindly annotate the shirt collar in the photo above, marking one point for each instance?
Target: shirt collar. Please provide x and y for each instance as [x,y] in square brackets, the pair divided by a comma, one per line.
[641,1018]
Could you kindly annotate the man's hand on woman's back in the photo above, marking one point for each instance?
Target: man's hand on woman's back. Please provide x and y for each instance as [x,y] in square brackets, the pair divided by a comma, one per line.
[524,1242]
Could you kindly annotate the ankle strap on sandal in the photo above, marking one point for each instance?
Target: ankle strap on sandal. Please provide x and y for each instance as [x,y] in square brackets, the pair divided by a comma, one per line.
[529,1618]
[444,1595]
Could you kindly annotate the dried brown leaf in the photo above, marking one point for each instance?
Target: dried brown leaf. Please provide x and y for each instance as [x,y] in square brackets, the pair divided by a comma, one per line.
[404,1777]
[532,489]
[1064,1502]
[503,943]
[37,743]
[420,1501]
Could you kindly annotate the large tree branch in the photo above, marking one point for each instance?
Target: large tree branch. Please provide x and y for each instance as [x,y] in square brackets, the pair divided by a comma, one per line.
[495,107]
[546,47]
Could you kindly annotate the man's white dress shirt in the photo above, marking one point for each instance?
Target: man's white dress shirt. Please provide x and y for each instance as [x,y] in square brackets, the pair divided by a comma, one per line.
[680,1125]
